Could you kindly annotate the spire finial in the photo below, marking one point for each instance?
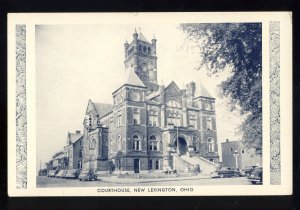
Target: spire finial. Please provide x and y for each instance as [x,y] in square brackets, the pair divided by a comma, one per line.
[135,30]
[153,37]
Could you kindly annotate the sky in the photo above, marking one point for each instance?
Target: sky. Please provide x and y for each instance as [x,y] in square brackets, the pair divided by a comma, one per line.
[75,63]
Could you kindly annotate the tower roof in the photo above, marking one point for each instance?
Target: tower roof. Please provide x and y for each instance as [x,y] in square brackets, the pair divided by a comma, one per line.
[201,91]
[133,79]
[142,37]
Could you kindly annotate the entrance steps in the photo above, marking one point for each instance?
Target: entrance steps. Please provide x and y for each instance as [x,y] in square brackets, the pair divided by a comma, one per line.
[195,164]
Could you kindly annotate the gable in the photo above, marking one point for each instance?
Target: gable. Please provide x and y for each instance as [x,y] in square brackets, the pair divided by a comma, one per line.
[172,91]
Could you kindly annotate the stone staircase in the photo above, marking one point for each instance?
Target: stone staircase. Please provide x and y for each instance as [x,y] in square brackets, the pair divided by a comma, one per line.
[185,164]
[206,166]
[195,164]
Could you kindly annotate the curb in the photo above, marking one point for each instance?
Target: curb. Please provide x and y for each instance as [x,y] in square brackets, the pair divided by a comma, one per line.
[131,180]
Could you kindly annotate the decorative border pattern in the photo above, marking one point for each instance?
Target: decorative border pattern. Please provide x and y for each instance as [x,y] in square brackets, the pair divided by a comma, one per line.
[275,163]
[21,110]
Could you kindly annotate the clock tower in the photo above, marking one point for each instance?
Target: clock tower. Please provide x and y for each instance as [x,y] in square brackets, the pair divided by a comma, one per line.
[140,56]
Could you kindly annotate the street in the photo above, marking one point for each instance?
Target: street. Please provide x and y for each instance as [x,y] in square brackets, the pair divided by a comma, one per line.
[43,181]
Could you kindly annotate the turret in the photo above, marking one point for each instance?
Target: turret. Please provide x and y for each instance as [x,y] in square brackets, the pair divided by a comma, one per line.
[126,45]
[153,41]
[135,35]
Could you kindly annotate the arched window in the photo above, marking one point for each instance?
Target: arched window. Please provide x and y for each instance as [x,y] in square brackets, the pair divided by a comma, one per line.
[144,49]
[93,144]
[149,50]
[153,143]
[93,147]
[196,143]
[136,142]
[210,145]
[140,47]
[119,142]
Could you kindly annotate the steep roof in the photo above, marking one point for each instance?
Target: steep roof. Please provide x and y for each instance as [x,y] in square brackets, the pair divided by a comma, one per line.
[73,137]
[102,108]
[142,37]
[173,86]
[59,156]
[201,91]
[133,79]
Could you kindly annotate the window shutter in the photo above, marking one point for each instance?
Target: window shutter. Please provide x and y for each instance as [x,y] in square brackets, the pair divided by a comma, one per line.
[204,123]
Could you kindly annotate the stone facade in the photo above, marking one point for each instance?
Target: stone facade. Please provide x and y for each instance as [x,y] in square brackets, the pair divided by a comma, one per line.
[148,124]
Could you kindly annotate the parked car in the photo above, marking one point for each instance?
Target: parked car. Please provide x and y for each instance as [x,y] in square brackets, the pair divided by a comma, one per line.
[72,174]
[256,176]
[226,172]
[169,170]
[247,171]
[60,174]
[52,173]
[87,175]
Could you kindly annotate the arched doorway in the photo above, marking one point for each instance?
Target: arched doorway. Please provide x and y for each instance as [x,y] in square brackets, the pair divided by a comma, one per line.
[183,147]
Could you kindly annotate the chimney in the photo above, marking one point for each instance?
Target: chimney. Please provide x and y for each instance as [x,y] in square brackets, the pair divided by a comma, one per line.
[227,140]
[77,132]
[190,89]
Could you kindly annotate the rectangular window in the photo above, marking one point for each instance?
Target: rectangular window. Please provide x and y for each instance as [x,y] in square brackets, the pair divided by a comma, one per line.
[136,116]
[119,119]
[157,164]
[150,164]
[153,146]
[153,121]
[209,123]
[80,153]
[193,121]
[136,145]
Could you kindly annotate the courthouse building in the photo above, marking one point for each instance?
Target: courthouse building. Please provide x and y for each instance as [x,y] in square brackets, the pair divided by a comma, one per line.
[149,126]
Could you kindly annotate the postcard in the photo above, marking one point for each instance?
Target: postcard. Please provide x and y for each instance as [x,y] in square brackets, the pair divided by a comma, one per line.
[148,104]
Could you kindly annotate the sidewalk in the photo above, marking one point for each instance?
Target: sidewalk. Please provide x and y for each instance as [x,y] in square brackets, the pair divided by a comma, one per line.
[115,179]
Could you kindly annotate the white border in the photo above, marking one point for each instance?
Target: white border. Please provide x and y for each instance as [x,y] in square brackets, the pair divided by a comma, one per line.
[31,19]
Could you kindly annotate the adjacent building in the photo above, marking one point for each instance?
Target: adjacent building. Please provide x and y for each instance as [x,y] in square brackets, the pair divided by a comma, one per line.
[234,154]
[74,150]
[149,126]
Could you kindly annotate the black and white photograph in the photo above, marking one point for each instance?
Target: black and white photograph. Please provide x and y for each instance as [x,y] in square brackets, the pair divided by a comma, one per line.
[137,107]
